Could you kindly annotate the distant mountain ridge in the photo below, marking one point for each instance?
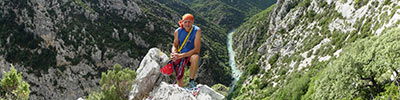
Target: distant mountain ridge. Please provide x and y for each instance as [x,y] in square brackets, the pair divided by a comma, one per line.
[228,13]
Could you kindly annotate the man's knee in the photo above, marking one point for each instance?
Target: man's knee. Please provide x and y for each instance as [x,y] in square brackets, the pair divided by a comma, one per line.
[194,58]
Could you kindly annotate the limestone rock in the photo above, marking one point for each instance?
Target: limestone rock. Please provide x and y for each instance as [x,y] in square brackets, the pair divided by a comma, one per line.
[174,92]
[148,73]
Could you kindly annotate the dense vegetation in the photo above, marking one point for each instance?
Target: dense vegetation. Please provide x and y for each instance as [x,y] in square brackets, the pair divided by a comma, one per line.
[365,69]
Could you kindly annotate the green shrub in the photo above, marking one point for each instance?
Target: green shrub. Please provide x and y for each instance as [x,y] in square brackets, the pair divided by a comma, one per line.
[253,69]
[12,86]
[115,84]
[283,70]
[310,53]
[360,3]
[296,87]
[366,27]
[273,59]
[305,3]
[323,4]
[220,88]
[353,36]
[357,1]
[311,41]
[83,5]
[310,15]
[392,92]
[96,96]
[325,21]
[387,2]
[338,38]
[251,59]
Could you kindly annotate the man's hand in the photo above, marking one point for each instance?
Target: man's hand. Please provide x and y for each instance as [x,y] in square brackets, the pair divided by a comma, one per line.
[176,56]
[173,56]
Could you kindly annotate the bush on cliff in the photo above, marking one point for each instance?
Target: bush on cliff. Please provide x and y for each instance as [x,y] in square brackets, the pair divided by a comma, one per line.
[115,84]
[12,87]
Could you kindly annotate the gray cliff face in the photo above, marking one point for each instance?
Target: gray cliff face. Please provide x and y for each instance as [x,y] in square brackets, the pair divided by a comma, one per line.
[268,26]
[287,28]
[62,46]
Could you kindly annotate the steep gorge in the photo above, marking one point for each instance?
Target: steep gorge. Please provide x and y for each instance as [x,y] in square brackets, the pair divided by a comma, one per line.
[284,49]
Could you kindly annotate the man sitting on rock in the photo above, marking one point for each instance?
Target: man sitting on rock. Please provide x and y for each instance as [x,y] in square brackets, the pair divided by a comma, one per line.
[187,42]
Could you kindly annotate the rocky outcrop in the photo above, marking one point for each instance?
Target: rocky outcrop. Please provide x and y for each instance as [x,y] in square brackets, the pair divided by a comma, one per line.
[148,73]
[173,92]
[148,81]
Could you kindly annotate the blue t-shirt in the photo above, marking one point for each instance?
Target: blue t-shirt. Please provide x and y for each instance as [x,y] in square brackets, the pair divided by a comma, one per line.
[190,41]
